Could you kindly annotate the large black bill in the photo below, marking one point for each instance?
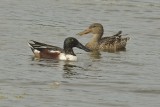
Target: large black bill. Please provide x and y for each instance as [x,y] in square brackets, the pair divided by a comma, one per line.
[83,47]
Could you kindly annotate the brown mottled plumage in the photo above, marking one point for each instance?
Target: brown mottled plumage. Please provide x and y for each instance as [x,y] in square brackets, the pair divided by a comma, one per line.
[111,43]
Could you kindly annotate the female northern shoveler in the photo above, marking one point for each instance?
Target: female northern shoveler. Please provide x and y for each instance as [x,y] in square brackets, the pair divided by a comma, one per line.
[42,50]
[111,43]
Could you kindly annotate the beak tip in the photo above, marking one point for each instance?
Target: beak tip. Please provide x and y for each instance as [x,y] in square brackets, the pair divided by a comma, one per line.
[83,47]
[88,50]
[84,32]
[79,34]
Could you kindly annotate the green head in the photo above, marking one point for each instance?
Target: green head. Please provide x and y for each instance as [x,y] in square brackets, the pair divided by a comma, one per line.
[71,42]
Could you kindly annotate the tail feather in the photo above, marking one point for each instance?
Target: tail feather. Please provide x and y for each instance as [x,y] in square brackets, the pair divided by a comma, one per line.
[34,45]
[31,46]
[35,42]
[118,34]
[39,43]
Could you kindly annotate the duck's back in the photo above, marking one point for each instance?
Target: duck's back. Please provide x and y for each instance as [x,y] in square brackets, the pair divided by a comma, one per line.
[113,43]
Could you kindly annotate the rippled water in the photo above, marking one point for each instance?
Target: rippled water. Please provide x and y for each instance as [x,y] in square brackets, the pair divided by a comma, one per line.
[123,79]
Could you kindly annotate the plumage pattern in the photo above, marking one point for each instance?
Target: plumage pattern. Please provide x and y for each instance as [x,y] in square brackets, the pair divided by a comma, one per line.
[42,50]
[110,43]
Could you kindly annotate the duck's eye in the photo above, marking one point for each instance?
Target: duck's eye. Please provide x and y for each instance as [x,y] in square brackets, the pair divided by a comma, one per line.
[94,26]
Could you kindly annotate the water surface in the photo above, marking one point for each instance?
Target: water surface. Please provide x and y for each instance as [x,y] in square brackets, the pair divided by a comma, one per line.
[123,79]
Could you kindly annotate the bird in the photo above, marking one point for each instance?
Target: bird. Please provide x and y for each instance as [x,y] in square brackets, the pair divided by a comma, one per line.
[42,50]
[110,43]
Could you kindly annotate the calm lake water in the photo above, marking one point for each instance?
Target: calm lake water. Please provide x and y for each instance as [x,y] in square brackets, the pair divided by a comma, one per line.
[129,78]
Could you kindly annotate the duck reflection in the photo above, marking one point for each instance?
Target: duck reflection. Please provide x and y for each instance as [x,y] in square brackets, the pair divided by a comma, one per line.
[45,62]
[71,70]
[95,55]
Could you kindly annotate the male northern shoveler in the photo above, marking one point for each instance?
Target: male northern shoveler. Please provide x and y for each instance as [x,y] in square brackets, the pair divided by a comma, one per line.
[42,50]
[111,43]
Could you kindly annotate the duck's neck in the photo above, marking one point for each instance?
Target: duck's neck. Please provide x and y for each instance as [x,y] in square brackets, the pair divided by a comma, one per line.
[96,38]
[69,51]
[94,42]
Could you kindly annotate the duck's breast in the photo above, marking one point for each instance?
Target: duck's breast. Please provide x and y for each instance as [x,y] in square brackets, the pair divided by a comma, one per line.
[63,56]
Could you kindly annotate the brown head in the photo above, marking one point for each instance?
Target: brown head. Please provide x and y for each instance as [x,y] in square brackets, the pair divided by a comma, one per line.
[95,28]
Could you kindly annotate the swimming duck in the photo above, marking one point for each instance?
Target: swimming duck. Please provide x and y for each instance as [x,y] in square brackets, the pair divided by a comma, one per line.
[42,50]
[111,43]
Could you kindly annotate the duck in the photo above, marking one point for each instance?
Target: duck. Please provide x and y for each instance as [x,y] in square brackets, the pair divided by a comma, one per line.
[110,43]
[42,50]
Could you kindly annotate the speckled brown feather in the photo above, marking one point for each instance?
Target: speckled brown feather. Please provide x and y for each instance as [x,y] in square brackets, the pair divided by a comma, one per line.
[110,43]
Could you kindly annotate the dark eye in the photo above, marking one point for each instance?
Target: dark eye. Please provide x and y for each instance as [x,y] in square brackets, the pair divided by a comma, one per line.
[94,26]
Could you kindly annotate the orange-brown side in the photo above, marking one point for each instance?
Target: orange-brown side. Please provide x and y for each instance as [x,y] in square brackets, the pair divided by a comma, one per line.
[45,53]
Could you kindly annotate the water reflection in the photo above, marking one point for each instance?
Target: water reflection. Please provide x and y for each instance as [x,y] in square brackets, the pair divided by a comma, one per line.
[95,55]
[71,69]
[115,51]
[147,91]
[45,62]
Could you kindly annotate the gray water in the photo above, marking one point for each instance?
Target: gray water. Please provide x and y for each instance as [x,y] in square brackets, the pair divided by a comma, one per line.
[129,78]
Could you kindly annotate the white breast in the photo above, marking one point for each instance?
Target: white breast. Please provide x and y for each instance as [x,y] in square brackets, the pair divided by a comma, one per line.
[71,57]
[63,56]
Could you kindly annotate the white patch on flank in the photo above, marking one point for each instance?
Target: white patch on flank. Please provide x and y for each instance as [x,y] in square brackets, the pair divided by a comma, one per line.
[63,56]
[52,51]
[36,51]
